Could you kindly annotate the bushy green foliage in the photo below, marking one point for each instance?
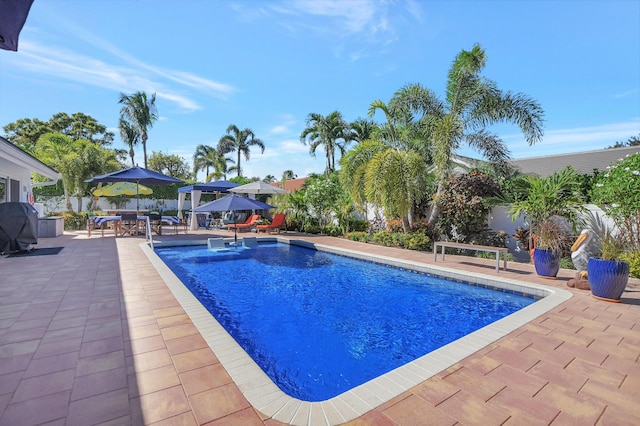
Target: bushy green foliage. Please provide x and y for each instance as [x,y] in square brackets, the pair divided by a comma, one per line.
[72,221]
[464,205]
[416,241]
[567,263]
[617,191]
[633,257]
[357,225]
[312,229]
[357,236]
[410,240]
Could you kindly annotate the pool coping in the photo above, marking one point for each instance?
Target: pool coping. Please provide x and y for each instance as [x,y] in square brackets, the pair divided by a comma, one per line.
[266,397]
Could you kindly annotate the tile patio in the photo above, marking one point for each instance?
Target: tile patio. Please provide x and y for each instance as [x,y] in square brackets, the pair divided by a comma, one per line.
[93,336]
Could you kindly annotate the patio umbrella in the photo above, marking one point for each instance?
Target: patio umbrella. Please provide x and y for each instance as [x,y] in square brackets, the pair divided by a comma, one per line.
[12,19]
[122,188]
[233,202]
[137,175]
[258,187]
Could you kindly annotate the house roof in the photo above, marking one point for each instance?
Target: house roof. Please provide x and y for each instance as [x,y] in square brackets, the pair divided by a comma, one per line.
[15,155]
[292,185]
[583,162]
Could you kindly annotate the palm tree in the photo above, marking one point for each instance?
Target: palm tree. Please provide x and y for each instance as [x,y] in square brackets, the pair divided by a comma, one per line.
[327,131]
[141,112]
[204,158]
[240,141]
[362,129]
[471,104]
[387,169]
[131,137]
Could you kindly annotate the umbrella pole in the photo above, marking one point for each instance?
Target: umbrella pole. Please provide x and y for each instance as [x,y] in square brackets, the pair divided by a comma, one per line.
[137,199]
[235,229]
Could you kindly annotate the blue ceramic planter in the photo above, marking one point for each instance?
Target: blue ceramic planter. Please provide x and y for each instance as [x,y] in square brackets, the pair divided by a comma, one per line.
[607,278]
[547,263]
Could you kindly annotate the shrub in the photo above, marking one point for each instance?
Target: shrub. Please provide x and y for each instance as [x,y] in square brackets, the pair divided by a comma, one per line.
[633,257]
[357,236]
[333,231]
[312,229]
[395,226]
[72,221]
[417,241]
[357,225]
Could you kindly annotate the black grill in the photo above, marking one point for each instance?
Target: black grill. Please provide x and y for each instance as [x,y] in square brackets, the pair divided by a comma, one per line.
[18,227]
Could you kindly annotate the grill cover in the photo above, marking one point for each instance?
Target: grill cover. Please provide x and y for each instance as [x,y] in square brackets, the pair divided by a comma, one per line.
[18,227]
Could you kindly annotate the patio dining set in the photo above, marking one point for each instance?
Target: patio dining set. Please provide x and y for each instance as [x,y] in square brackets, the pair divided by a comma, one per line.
[133,224]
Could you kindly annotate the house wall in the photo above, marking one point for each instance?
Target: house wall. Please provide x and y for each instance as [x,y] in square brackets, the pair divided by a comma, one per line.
[11,171]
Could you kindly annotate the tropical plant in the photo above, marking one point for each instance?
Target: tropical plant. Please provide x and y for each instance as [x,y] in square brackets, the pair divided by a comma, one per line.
[240,141]
[141,112]
[130,136]
[331,131]
[76,161]
[169,164]
[465,205]
[207,157]
[362,129]
[471,104]
[389,170]
[541,198]
[321,195]
[617,192]
[25,132]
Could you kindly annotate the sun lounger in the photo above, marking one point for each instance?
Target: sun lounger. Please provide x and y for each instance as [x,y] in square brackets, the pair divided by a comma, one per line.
[216,244]
[251,222]
[278,220]
[250,241]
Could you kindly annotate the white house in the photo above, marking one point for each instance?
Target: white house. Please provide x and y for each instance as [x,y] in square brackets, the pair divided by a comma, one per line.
[15,173]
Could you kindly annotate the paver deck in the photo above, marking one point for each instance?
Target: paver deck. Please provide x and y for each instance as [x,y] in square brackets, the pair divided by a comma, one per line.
[92,335]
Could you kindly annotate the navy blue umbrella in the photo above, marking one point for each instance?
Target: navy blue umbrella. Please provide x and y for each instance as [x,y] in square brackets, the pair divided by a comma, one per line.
[233,202]
[138,175]
[12,18]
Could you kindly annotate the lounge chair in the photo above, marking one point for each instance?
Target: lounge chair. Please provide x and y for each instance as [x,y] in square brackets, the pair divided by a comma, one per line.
[216,244]
[276,223]
[250,242]
[247,225]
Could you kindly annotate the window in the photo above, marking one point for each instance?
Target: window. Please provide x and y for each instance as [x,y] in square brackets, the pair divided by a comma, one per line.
[3,190]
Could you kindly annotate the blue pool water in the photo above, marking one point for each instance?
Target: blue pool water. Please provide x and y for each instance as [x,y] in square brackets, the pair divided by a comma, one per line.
[320,324]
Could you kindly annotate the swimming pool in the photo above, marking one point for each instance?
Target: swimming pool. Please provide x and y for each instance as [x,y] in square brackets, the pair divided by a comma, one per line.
[320,324]
[267,398]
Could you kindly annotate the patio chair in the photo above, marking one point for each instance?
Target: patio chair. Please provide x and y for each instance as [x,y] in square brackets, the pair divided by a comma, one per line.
[128,224]
[202,220]
[216,244]
[230,219]
[155,221]
[251,222]
[92,225]
[276,223]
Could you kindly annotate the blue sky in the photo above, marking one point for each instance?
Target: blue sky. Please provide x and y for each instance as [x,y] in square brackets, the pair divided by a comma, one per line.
[267,64]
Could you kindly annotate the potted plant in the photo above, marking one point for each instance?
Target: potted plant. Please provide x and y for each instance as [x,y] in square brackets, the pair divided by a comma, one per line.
[608,275]
[545,202]
[550,241]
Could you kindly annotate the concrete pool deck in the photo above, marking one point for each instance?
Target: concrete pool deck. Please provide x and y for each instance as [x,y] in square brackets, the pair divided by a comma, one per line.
[93,335]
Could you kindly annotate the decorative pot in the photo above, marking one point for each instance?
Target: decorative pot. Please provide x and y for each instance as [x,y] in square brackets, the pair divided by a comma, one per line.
[607,278]
[546,262]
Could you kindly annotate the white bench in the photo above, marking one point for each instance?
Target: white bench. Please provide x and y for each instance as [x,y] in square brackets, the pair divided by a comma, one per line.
[490,249]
